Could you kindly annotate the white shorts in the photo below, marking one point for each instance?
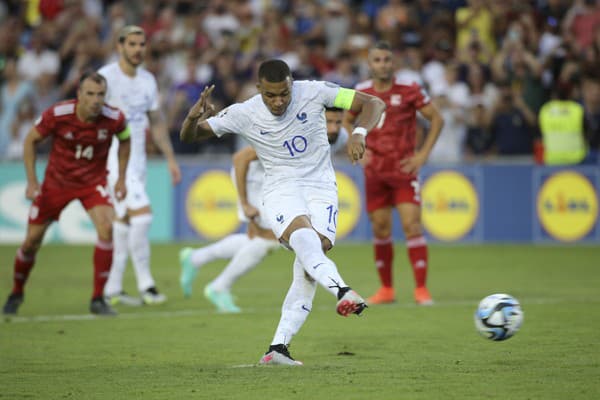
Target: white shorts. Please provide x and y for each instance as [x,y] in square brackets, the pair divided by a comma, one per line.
[320,204]
[136,194]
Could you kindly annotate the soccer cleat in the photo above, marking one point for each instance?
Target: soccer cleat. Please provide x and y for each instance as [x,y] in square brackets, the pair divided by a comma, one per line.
[349,302]
[422,296]
[123,298]
[188,271]
[152,296]
[384,295]
[278,354]
[222,300]
[12,304]
[99,307]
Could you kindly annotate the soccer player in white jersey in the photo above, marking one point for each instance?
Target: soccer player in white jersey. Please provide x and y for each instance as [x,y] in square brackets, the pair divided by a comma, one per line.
[285,124]
[248,249]
[134,90]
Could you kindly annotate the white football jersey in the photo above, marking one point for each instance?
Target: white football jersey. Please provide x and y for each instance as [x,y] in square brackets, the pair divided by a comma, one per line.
[292,147]
[135,96]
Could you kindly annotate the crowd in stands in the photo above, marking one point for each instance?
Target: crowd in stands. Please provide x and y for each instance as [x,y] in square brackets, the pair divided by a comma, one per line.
[488,65]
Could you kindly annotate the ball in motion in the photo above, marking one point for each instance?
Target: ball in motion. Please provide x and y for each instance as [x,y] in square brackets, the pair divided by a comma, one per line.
[498,316]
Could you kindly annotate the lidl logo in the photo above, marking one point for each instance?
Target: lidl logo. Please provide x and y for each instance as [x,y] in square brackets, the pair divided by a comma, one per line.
[349,205]
[450,205]
[211,205]
[567,206]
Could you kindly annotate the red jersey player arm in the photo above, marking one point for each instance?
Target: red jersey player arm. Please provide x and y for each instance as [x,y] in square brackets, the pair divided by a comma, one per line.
[241,161]
[29,157]
[194,126]
[412,164]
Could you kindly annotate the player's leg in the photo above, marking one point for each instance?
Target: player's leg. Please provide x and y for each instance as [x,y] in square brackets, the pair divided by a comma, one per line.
[383,249]
[113,290]
[416,246]
[246,258]
[192,260]
[310,236]
[45,209]
[295,310]
[139,248]
[102,215]
[380,201]
[23,264]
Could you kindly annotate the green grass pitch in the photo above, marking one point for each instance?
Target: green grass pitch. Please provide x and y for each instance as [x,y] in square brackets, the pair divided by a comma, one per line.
[184,350]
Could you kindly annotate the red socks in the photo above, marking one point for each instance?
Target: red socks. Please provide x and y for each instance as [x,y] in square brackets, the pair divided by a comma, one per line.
[384,256]
[417,253]
[103,253]
[22,267]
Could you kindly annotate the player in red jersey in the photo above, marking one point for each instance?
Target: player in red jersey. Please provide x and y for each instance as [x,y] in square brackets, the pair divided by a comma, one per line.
[82,132]
[391,167]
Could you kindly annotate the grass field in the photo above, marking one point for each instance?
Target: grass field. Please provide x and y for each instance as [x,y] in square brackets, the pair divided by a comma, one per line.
[184,350]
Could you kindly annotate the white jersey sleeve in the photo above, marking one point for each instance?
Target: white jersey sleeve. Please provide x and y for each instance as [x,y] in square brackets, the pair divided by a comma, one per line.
[230,120]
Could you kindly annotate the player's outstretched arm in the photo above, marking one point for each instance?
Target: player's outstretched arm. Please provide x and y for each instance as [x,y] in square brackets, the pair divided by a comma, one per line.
[29,157]
[368,110]
[195,127]
[241,161]
[160,134]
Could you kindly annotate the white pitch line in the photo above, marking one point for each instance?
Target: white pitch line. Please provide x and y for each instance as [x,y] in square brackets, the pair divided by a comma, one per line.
[204,312]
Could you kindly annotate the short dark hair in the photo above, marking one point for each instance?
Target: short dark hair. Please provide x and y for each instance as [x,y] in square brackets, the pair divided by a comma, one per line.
[274,71]
[93,75]
[334,109]
[128,30]
[383,45]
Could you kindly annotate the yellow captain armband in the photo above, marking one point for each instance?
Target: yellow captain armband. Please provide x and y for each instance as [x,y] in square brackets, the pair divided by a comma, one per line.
[125,134]
[344,98]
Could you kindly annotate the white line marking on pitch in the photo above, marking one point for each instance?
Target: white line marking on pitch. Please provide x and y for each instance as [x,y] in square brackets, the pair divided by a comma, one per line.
[199,312]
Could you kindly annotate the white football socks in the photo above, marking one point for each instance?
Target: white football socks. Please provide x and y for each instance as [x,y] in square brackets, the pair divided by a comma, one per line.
[114,284]
[296,306]
[245,259]
[223,249]
[139,247]
[307,245]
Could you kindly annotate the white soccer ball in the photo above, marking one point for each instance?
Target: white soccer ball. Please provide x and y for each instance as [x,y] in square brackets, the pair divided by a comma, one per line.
[498,316]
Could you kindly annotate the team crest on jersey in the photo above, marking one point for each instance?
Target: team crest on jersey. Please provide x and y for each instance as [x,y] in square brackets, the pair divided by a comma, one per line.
[396,99]
[302,117]
[69,135]
[102,134]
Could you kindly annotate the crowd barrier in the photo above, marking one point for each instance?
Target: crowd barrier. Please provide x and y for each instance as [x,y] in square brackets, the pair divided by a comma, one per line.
[498,202]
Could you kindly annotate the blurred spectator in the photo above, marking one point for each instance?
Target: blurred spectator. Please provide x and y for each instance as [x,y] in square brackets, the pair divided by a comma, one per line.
[580,23]
[521,68]
[479,138]
[392,21]
[344,73]
[475,23]
[14,91]
[38,59]
[21,126]
[513,123]
[449,147]
[218,21]
[336,26]
[591,106]
[561,124]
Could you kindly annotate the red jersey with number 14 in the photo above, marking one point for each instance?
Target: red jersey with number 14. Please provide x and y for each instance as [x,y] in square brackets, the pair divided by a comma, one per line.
[79,149]
[394,137]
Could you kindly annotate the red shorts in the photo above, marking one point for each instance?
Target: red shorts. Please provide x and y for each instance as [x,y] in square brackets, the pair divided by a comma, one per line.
[48,205]
[383,191]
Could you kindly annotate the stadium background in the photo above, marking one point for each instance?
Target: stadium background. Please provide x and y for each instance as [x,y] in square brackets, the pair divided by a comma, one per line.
[488,193]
